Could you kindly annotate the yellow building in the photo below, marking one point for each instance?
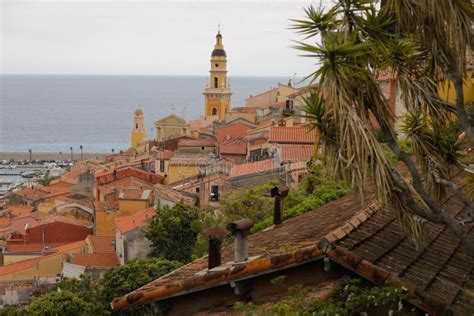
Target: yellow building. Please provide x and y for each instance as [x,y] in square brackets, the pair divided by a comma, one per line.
[183,168]
[171,126]
[447,91]
[138,131]
[217,93]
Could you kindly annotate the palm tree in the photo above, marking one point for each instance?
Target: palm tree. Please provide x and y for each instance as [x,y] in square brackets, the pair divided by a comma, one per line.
[357,41]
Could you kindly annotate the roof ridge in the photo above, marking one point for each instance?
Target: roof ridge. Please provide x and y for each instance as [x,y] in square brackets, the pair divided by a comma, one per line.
[355,221]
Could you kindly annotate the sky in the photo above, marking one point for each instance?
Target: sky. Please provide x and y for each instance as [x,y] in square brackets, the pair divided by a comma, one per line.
[158,37]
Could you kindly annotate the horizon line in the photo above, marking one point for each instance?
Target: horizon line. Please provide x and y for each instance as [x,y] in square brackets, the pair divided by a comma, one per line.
[136,75]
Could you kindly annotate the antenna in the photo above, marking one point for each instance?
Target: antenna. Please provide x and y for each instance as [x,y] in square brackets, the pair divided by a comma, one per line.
[218,26]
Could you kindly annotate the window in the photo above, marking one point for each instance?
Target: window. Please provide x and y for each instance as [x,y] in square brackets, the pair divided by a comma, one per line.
[197,190]
[214,111]
[214,193]
[216,82]
[162,166]
[136,126]
[217,65]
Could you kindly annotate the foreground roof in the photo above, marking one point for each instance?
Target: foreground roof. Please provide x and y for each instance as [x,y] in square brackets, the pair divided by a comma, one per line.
[366,240]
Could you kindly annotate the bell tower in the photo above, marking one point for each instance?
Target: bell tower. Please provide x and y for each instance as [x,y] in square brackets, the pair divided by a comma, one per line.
[138,130]
[217,93]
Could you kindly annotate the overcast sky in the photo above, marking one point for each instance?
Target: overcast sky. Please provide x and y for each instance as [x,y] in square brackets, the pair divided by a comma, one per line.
[149,37]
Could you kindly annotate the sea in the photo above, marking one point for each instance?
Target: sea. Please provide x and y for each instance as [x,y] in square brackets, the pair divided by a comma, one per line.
[51,113]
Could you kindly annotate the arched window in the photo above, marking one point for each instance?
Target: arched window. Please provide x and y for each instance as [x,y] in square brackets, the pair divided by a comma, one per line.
[136,126]
[214,110]
[216,82]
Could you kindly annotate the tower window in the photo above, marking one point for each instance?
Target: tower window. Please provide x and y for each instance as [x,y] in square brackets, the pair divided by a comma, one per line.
[136,126]
[217,65]
[216,82]
[214,111]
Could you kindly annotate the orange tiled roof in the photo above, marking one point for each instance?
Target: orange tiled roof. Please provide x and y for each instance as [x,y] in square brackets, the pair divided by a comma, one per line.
[253,167]
[164,154]
[70,177]
[296,152]
[292,135]
[232,131]
[18,266]
[127,223]
[20,210]
[15,248]
[33,194]
[18,224]
[101,244]
[233,147]
[134,194]
[95,260]
[57,218]
[196,143]
[173,195]
[69,247]
[125,183]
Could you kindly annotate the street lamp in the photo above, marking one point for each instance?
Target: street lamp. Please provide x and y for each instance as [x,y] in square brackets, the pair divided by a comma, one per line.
[82,158]
[72,154]
[29,150]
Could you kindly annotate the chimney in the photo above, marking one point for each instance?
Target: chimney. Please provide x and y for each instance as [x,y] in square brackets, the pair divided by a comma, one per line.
[278,206]
[215,241]
[240,229]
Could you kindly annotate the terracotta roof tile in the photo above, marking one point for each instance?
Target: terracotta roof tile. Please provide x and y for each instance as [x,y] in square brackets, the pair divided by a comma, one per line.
[292,135]
[234,146]
[32,194]
[125,183]
[299,232]
[101,244]
[134,194]
[57,218]
[196,143]
[438,273]
[164,154]
[127,223]
[173,195]
[96,260]
[296,152]
[20,210]
[231,131]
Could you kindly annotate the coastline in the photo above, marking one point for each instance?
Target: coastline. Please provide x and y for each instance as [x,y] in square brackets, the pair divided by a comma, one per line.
[49,156]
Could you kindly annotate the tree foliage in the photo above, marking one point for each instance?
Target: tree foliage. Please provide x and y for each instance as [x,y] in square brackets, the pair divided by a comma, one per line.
[124,279]
[419,43]
[61,302]
[173,232]
[248,202]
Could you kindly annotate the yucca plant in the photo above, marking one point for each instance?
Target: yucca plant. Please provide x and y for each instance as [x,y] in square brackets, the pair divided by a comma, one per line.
[359,39]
